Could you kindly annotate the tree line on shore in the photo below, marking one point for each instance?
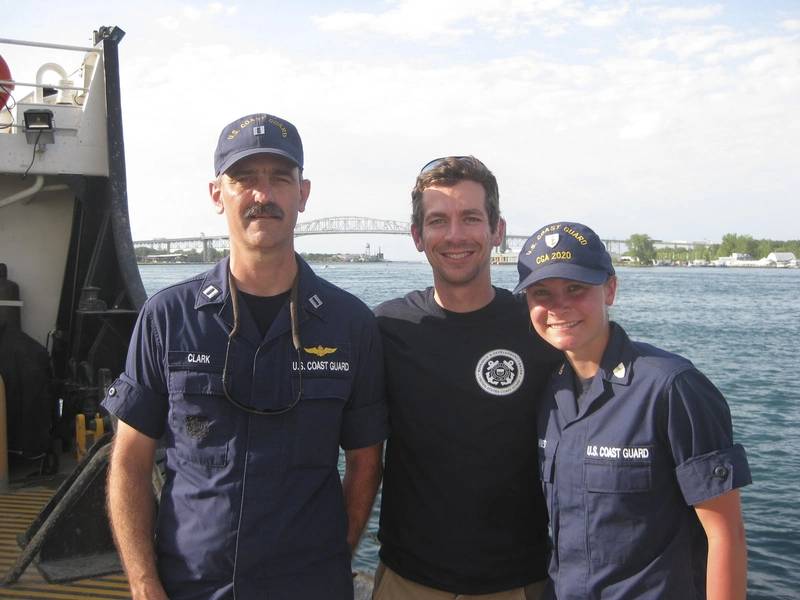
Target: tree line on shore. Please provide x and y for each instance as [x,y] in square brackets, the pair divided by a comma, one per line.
[642,248]
[147,254]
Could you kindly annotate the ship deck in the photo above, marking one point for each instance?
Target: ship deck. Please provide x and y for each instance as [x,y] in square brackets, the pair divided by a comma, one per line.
[19,506]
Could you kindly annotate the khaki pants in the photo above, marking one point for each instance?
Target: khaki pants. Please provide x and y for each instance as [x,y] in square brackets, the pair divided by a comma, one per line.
[391,586]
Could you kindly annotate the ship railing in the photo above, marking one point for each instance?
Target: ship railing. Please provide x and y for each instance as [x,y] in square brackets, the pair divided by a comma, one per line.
[76,93]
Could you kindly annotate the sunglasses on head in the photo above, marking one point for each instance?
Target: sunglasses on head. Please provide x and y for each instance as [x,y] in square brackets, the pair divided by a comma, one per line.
[436,162]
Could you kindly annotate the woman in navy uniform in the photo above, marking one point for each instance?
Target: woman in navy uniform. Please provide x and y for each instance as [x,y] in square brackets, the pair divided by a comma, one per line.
[636,450]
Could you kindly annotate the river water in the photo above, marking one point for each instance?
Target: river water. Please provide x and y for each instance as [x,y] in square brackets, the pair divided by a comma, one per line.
[739,326]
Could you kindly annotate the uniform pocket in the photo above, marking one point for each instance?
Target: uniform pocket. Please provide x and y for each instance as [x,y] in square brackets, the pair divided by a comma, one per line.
[318,422]
[617,477]
[199,418]
[618,510]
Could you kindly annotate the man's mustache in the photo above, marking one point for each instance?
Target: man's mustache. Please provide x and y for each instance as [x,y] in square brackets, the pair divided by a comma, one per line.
[264,210]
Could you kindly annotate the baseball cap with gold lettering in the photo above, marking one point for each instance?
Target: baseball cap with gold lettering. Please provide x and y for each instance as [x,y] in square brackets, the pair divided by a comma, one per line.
[566,251]
[257,134]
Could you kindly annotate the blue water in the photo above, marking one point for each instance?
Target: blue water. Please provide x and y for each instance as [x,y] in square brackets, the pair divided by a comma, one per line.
[739,326]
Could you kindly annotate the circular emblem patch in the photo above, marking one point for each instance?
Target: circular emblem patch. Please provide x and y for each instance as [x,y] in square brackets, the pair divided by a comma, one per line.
[500,372]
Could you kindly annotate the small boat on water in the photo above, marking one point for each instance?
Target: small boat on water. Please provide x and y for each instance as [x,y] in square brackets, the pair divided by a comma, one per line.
[70,292]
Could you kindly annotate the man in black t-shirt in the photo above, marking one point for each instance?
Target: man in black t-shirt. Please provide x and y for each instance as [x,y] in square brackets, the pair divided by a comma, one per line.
[462,512]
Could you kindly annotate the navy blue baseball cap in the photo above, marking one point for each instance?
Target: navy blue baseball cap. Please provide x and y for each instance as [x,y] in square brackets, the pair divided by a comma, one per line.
[566,251]
[257,134]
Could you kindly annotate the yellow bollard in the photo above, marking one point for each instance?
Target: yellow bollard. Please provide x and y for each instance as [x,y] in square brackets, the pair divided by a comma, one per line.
[3,439]
[80,436]
[99,428]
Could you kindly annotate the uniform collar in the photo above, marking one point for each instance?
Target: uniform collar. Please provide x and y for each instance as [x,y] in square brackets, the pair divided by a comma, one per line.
[564,392]
[618,357]
[310,296]
[214,291]
[615,367]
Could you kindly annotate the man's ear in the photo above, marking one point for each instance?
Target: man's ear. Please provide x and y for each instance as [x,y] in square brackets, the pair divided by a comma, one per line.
[499,233]
[215,191]
[610,290]
[416,235]
[305,191]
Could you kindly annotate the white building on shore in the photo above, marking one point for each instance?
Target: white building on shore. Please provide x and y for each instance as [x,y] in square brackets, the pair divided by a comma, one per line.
[783,259]
[773,259]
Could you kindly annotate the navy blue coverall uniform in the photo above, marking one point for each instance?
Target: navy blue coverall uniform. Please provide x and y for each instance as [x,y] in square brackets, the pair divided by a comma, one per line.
[621,473]
[252,506]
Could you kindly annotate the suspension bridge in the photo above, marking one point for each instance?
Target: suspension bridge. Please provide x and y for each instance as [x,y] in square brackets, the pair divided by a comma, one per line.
[354,225]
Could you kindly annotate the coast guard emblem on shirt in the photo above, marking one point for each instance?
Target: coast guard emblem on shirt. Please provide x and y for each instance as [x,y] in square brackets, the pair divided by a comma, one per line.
[500,372]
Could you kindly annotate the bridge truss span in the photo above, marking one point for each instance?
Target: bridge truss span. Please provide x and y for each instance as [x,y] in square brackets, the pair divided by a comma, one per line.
[364,225]
[337,225]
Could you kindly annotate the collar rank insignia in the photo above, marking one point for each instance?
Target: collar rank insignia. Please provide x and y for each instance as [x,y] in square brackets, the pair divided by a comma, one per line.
[211,292]
[619,371]
[320,350]
[315,301]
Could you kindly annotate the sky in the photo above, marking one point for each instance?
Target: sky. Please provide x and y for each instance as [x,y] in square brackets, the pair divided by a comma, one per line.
[680,120]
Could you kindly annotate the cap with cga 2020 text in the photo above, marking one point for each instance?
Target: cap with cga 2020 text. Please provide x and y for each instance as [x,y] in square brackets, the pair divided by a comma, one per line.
[566,251]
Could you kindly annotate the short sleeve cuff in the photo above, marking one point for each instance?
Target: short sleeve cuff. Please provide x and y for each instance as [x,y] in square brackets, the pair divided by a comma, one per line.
[710,475]
[138,406]
[365,426]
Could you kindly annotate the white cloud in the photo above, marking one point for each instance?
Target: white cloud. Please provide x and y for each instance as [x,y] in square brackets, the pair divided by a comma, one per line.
[186,14]
[791,24]
[412,19]
[684,44]
[682,13]
[658,121]
[598,17]
[690,43]
[641,124]
[641,48]
[645,137]
[168,22]
[445,21]
[736,50]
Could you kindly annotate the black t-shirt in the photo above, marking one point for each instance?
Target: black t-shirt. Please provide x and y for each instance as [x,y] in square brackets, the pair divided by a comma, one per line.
[264,309]
[462,508]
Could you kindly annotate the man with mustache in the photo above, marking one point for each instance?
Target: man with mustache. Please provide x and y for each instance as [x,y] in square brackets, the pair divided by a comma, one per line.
[462,515]
[252,375]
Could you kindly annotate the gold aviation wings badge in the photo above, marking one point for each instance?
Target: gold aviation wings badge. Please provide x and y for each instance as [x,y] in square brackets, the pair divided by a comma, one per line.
[320,350]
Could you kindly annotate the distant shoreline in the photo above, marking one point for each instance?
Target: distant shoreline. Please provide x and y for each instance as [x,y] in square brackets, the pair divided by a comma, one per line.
[311,257]
[309,261]
[508,264]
